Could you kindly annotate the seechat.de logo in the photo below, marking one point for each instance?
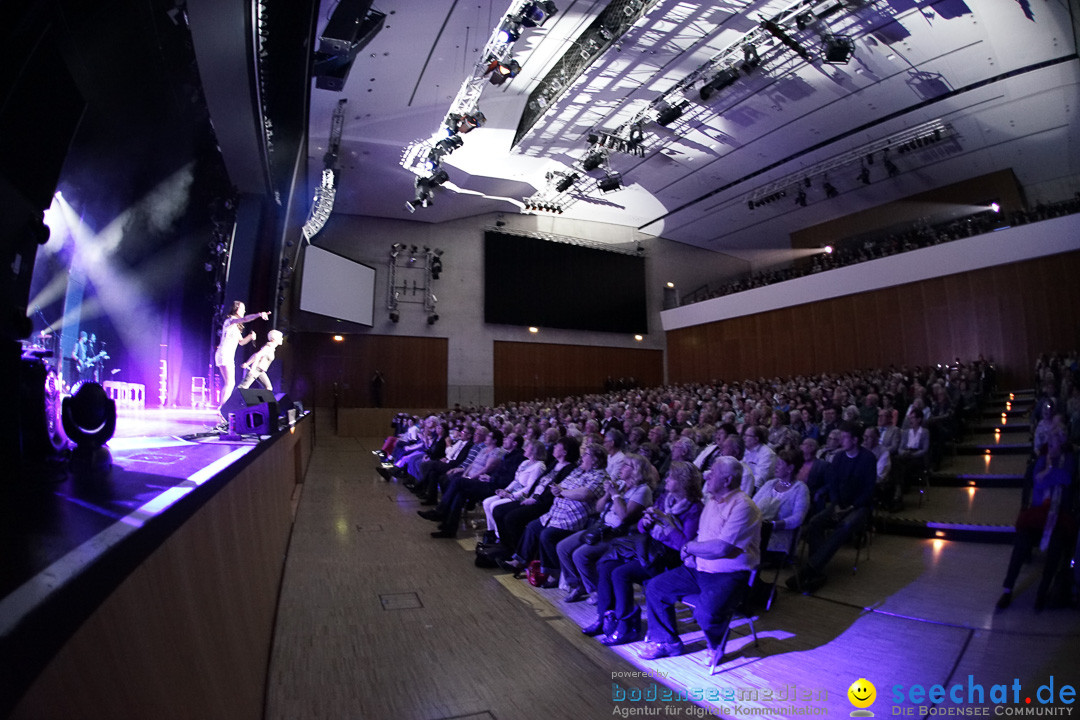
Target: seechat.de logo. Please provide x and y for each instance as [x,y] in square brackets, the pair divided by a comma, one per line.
[862,694]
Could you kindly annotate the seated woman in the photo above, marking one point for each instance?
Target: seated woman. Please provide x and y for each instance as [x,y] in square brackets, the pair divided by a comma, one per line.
[513,517]
[433,448]
[620,507]
[814,472]
[575,498]
[1048,523]
[784,502]
[525,477]
[664,528]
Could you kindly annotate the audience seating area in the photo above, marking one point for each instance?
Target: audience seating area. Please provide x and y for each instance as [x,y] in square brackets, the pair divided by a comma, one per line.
[882,244]
[906,422]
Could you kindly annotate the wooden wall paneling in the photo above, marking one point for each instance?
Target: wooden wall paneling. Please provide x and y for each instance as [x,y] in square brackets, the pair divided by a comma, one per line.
[740,356]
[868,334]
[676,361]
[939,341]
[913,327]
[1013,323]
[1068,309]
[888,302]
[987,319]
[1009,314]
[765,344]
[526,371]
[821,321]
[846,336]
[799,351]
[414,369]
[709,355]
[1037,299]
[958,300]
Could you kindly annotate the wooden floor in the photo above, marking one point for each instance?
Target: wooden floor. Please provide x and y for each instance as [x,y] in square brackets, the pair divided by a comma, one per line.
[379,620]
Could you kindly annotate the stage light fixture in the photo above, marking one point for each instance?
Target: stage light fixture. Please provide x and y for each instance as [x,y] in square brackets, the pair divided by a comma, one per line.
[995,207]
[864,175]
[395,316]
[830,191]
[803,19]
[890,167]
[837,49]
[436,179]
[592,161]
[779,33]
[88,417]
[721,80]
[446,146]
[800,198]
[511,30]
[751,59]
[827,249]
[463,123]
[500,71]
[566,182]
[671,113]
[432,319]
[535,14]
[610,182]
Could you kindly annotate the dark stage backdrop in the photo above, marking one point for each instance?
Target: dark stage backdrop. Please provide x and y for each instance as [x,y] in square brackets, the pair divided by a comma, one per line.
[528,281]
[1009,313]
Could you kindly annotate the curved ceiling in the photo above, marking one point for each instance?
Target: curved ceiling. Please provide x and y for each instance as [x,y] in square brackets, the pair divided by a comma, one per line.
[999,79]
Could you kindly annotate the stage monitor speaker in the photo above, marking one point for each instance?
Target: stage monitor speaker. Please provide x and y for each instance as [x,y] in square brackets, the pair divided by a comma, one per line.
[259,419]
[244,398]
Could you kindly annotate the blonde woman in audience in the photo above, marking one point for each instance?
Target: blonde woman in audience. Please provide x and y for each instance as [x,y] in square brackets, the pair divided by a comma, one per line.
[525,477]
[620,507]
[574,500]
[663,529]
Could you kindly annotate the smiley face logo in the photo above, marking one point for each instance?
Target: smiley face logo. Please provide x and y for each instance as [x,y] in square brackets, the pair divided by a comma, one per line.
[862,693]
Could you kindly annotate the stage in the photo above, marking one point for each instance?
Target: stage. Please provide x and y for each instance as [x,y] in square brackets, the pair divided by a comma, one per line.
[74,531]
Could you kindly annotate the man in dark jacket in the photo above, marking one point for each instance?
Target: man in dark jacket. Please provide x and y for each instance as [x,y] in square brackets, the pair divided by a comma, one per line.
[851,482]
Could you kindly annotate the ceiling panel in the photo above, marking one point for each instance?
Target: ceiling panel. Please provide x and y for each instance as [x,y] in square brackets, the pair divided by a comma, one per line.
[975,65]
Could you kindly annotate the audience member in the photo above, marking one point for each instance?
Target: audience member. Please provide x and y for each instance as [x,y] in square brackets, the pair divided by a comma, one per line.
[619,508]
[662,530]
[784,502]
[852,479]
[717,565]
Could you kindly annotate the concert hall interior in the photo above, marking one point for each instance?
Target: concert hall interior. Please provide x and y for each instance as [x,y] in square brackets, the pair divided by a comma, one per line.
[243,240]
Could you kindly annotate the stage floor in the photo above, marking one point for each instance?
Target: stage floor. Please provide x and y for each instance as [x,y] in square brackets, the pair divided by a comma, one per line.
[56,520]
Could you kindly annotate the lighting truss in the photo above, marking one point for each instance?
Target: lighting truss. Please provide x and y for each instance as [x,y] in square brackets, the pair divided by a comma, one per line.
[764,41]
[615,20]
[937,128]
[419,264]
[497,50]
[557,195]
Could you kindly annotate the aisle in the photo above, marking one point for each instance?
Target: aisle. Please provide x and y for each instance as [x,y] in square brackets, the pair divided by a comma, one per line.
[379,620]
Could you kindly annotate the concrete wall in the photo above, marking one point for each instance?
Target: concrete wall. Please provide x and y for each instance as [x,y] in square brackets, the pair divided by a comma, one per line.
[460,290]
